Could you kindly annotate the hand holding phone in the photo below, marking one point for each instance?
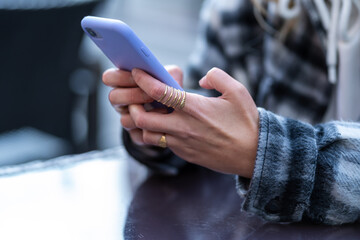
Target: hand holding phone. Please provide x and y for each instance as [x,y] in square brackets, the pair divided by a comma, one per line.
[124,49]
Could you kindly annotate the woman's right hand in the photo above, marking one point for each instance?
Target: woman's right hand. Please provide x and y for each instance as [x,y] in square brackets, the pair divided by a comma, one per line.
[125,92]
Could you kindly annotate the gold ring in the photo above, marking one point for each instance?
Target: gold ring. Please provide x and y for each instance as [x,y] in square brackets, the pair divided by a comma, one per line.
[177,95]
[182,104]
[164,94]
[176,98]
[179,99]
[162,141]
[171,93]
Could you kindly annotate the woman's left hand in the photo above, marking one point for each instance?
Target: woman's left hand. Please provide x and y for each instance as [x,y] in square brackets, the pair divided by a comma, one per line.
[218,133]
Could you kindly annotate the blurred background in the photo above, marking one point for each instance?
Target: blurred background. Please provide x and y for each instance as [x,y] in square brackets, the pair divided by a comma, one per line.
[52,100]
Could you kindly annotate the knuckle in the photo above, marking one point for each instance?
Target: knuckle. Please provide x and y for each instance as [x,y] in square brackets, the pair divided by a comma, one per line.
[140,121]
[212,72]
[241,90]
[147,138]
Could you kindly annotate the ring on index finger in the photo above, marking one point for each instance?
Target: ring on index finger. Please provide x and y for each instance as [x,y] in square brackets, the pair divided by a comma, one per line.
[176,98]
[164,94]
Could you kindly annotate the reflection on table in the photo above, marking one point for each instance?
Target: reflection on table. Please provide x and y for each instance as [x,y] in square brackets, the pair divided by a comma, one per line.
[77,197]
[107,195]
[201,204]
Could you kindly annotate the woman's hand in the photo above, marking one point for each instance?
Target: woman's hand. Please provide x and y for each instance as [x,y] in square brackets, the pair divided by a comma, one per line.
[218,133]
[126,92]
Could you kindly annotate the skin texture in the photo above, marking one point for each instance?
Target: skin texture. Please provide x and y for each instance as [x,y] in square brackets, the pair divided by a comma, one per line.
[220,133]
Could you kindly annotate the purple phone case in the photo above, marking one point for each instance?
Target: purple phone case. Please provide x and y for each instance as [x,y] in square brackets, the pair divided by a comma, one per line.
[125,50]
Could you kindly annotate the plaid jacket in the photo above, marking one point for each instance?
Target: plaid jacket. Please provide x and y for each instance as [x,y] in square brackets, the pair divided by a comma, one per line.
[305,169]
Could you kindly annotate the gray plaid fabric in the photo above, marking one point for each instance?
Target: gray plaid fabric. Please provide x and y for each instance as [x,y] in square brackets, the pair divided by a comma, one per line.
[287,77]
[305,172]
[302,172]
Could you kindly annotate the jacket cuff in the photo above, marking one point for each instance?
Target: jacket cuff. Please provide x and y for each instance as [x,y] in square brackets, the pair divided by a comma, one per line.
[283,177]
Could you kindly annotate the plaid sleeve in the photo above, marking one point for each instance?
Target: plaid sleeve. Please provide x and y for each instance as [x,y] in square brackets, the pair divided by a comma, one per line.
[229,38]
[304,172]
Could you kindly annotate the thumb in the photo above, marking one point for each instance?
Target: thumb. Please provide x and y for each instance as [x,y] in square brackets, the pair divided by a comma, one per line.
[219,80]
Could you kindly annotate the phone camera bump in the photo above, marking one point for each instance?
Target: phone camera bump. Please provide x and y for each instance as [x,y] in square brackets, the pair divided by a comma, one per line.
[92,33]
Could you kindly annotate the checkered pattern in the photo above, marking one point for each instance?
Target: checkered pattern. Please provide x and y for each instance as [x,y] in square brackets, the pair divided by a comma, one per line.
[287,77]
[302,171]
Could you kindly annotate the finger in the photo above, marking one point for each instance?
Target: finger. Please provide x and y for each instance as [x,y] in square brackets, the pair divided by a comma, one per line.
[220,81]
[122,109]
[127,122]
[156,122]
[137,136]
[126,96]
[154,138]
[176,73]
[156,90]
[114,77]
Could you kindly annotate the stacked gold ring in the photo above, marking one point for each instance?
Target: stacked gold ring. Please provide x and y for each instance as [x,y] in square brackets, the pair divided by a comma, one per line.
[176,98]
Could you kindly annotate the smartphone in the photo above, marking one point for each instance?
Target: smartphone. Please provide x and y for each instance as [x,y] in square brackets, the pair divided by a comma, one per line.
[124,49]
